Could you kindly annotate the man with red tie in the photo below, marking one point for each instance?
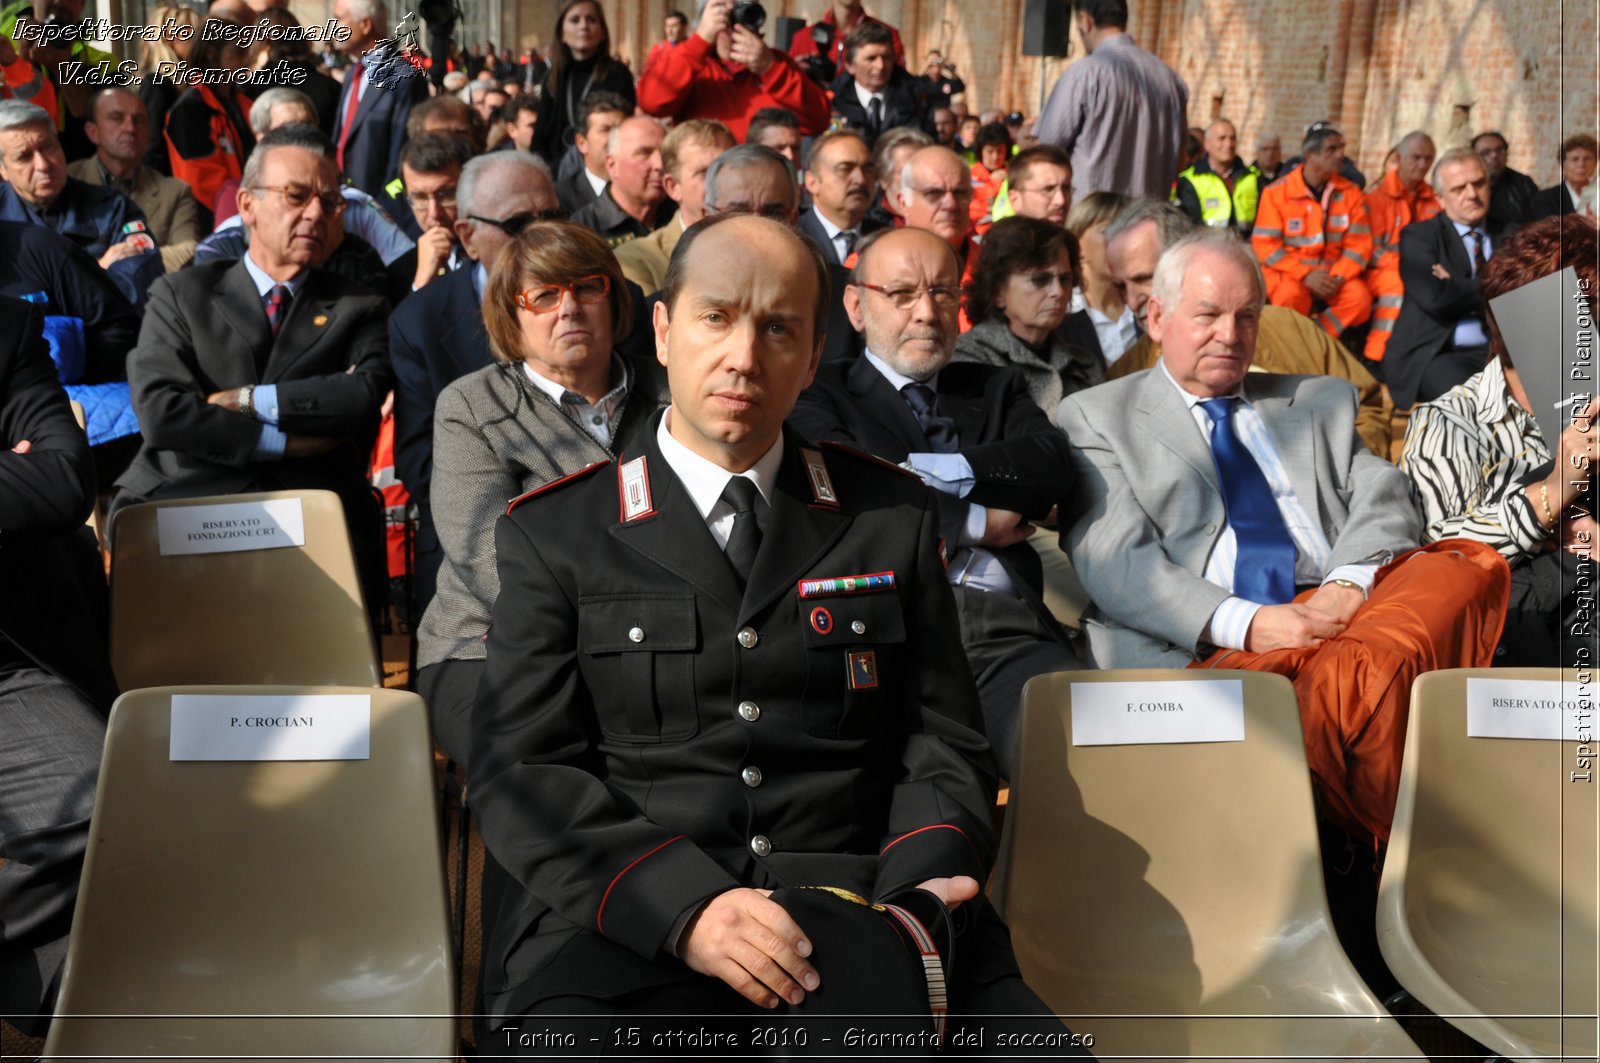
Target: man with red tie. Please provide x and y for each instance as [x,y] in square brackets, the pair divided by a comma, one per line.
[374,106]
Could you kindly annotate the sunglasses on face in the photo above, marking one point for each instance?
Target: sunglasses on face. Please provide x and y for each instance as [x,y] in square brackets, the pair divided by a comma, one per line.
[514,225]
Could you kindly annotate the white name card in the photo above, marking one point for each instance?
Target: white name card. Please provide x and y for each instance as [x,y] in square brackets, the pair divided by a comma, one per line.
[1156,714]
[271,727]
[1520,708]
[268,525]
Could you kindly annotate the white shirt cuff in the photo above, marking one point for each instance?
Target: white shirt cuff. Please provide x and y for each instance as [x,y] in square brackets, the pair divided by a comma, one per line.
[1361,575]
[1230,624]
[977,524]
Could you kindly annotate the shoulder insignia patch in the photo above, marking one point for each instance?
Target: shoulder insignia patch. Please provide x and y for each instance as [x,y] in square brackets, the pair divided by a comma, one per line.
[822,492]
[553,484]
[845,448]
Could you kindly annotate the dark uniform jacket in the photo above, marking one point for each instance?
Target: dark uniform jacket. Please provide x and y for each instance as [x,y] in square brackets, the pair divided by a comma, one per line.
[905,103]
[646,736]
[605,217]
[1511,202]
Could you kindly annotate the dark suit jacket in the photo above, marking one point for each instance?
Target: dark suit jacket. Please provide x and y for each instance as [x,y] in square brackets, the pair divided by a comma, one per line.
[372,154]
[904,104]
[206,331]
[34,259]
[810,226]
[1550,202]
[1020,461]
[53,609]
[1511,202]
[1432,307]
[575,192]
[604,769]
[435,336]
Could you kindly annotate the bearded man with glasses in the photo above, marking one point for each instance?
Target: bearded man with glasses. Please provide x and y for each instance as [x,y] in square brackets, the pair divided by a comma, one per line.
[974,435]
[267,373]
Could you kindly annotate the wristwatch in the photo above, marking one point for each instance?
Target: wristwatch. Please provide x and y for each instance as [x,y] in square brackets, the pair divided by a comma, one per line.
[247,404]
[1352,584]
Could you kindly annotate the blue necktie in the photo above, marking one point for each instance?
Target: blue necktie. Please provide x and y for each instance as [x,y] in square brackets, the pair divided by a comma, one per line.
[1264,569]
[940,431]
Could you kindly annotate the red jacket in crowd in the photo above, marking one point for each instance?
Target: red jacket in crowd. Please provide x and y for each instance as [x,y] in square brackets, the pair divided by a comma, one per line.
[689,81]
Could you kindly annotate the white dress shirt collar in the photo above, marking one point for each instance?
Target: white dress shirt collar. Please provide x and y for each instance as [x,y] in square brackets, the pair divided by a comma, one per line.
[265,283]
[596,183]
[866,97]
[705,479]
[895,379]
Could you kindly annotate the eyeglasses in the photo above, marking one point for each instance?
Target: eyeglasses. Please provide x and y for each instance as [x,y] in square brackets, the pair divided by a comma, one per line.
[1041,279]
[445,197]
[514,225]
[547,297]
[944,296]
[297,197]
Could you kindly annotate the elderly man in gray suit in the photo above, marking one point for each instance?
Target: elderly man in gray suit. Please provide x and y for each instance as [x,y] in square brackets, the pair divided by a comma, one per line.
[1236,520]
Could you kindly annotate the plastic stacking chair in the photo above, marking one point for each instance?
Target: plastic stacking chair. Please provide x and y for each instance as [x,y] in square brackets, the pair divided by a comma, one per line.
[292,615]
[1486,912]
[260,909]
[1168,898]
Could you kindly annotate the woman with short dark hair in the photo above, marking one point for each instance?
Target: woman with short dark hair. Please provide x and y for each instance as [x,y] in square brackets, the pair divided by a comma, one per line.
[557,398]
[1017,299]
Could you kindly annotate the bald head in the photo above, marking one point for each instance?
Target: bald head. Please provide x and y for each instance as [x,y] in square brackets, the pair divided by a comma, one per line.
[905,300]
[1222,145]
[936,194]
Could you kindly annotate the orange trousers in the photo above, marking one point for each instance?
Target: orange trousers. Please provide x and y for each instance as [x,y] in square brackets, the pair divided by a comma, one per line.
[1438,607]
[1388,293]
[1350,305]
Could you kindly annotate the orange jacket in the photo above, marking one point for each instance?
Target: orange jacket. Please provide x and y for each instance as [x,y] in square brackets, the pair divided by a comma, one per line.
[205,148]
[1296,234]
[1390,209]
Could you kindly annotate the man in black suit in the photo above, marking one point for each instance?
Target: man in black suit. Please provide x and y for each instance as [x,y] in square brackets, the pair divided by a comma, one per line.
[875,95]
[267,373]
[437,335]
[1511,191]
[843,185]
[976,436]
[1439,339]
[724,709]
[598,114]
[751,179]
[430,166]
[373,107]
[55,677]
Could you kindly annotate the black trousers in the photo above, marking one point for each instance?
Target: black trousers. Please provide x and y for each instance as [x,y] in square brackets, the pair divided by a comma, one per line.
[50,742]
[873,1002]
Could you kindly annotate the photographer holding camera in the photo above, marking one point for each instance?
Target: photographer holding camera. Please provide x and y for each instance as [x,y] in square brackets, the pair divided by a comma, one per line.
[727,72]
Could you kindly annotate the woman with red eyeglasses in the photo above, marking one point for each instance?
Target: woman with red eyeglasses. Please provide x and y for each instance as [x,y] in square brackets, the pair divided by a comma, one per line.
[556,399]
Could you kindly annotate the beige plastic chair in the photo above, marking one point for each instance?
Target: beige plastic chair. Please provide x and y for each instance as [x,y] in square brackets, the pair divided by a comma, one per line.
[1168,898]
[264,909]
[1487,909]
[293,615]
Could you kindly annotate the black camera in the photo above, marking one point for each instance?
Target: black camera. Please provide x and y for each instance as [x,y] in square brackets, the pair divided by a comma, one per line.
[752,16]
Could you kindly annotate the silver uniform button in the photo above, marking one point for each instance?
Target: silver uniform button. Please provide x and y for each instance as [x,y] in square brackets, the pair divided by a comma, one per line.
[858,627]
[748,638]
[636,634]
[749,711]
[751,777]
[760,845]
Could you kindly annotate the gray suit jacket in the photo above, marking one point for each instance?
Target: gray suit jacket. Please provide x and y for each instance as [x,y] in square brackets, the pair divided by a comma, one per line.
[1148,509]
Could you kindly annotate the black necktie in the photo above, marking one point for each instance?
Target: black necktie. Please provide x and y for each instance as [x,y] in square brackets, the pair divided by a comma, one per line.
[745,538]
[874,115]
[1478,259]
[848,237]
[941,431]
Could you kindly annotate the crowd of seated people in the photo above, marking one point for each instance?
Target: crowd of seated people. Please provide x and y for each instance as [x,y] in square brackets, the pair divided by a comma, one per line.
[903,371]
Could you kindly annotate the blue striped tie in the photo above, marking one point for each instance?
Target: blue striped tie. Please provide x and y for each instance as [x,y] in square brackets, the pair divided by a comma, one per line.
[1264,569]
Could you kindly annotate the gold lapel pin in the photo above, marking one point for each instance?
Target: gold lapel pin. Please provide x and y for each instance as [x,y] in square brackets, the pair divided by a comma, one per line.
[320,320]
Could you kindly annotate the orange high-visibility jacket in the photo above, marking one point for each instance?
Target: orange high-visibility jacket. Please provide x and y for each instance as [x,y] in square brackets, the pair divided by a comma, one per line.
[1297,234]
[1389,210]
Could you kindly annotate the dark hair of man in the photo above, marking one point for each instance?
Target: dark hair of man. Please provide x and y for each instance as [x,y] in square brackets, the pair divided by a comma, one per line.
[993,133]
[865,34]
[768,117]
[1106,14]
[456,107]
[1490,133]
[106,93]
[1023,162]
[596,102]
[1316,136]
[516,105]
[1014,245]
[678,267]
[833,136]
[679,15]
[297,135]
[560,54]
[436,152]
